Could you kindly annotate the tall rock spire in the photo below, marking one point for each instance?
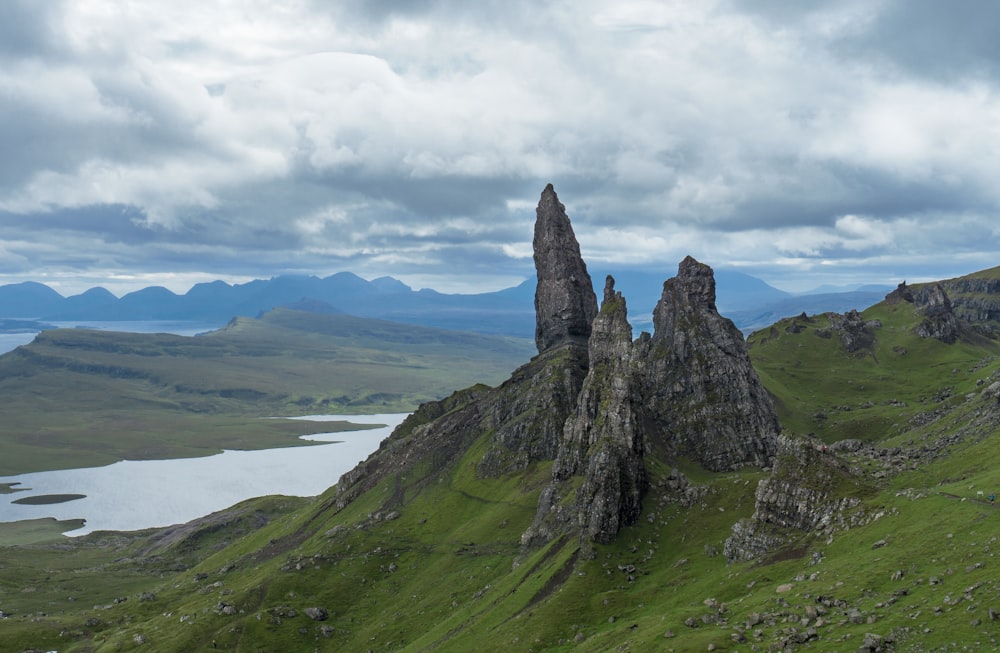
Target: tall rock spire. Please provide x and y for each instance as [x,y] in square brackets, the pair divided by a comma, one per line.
[565,303]
[602,443]
[699,385]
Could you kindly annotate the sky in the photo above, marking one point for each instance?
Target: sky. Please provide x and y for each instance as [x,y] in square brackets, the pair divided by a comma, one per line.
[156,142]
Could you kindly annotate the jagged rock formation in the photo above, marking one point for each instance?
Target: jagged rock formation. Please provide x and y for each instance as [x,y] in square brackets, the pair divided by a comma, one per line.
[565,303]
[975,300]
[593,401]
[687,390]
[798,498]
[523,417]
[602,441]
[701,394]
[939,319]
[902,293]
[856,334]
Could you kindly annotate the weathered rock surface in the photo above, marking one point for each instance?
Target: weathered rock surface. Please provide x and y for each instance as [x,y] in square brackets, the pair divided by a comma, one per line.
[702,396]
[602,441]
[525,417]
[975,300]
[901,294]
[565,303]
[798,497]
[942,319]
[939,319]
[856,334]
[688,390]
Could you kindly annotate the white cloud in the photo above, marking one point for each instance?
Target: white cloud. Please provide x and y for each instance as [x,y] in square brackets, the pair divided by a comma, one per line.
[418,140]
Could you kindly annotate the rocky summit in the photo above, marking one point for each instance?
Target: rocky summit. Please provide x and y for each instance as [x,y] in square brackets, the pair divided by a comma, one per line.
[595,402]
[700,390]
[565,304]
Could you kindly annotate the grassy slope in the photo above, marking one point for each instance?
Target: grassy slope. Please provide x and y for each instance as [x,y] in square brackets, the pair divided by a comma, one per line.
[446,574]
[79,398]
[442,576]
[871,394]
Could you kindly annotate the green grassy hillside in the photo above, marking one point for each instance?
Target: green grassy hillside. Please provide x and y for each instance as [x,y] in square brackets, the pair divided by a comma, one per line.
[431,559]
[873,392]
[75,397]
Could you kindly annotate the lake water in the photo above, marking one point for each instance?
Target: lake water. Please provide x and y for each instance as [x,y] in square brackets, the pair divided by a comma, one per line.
[11,341]
[132,495]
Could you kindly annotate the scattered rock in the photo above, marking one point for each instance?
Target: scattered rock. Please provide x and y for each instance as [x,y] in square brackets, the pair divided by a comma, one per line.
[316,614]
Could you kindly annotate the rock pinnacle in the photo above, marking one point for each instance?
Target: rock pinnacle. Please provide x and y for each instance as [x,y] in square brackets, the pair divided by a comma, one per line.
[565,303]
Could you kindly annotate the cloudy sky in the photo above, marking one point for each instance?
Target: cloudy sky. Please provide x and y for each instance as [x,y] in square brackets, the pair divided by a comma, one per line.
[157,142]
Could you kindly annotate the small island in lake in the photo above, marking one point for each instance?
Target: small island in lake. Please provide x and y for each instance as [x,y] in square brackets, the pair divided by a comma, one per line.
[48,499]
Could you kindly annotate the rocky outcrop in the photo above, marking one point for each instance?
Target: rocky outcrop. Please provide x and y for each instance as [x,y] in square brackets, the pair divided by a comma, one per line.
[799,497]
[524,417]
[527,413]
[689,390]
[939,322]
[901,294]
[940,319]
[602,442]
[975,300]
[703,398]
[565,303]
[855,333]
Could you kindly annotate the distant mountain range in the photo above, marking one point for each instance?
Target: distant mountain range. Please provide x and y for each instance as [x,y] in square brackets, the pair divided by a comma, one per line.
[748,301]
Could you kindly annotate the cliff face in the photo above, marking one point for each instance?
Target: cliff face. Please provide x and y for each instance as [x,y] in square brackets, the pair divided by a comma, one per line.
[702,396]
[976,300]
[797,498]
[602,443]
[940,319]
[565,304]
[594,402]
[856,334]
[524,417]
[688,390]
